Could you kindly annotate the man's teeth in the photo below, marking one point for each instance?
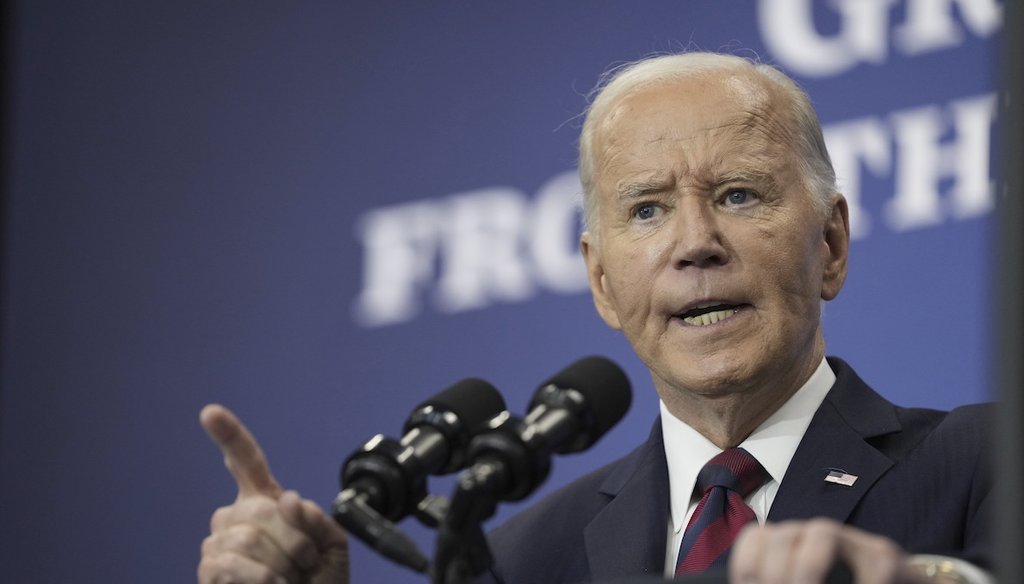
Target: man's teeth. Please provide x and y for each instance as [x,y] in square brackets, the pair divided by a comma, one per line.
[709,317]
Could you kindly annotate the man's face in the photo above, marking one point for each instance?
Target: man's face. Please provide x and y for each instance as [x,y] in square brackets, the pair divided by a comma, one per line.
[709,252]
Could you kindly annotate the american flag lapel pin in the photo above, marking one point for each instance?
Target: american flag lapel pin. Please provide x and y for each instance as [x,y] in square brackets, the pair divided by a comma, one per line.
[840,477]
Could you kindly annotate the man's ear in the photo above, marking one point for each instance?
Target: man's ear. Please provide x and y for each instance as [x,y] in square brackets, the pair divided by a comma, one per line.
[598,283]
[837,248]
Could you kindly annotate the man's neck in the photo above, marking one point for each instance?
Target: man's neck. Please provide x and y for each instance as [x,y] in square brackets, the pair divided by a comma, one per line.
[727,418]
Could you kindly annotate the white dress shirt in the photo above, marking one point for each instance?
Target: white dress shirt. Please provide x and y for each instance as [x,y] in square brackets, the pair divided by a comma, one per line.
[773,444]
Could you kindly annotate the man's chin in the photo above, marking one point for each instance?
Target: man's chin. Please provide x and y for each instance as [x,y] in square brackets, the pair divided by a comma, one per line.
[711,378]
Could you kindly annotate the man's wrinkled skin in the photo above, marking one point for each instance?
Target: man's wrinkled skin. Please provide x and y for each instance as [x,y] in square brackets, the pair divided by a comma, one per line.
[701,202]
[267,535]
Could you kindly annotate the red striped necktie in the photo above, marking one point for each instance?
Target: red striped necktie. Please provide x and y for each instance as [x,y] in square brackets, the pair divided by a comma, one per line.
[721,513]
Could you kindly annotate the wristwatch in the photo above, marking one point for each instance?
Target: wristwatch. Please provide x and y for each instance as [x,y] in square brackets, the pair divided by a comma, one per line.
[947,570]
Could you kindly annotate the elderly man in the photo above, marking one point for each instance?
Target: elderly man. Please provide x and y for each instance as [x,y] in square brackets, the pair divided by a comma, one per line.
[714,233]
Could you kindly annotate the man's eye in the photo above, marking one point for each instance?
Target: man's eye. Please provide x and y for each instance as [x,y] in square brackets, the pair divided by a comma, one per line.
[645,211]
[739,197]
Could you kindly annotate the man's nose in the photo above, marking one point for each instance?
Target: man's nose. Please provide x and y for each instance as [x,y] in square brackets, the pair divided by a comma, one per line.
[698,238]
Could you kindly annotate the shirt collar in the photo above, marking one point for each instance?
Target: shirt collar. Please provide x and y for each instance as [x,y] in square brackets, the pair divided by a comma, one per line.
[773,443]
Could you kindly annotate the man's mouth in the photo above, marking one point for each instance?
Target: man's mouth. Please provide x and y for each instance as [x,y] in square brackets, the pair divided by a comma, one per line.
[710,313]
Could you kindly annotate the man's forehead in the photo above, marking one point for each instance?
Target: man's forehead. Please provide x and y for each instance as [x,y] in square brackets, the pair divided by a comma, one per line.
[707,101]
[742,149]
[716,126]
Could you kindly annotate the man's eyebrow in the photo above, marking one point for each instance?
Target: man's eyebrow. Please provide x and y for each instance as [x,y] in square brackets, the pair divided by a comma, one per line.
[746,176]
[643,188]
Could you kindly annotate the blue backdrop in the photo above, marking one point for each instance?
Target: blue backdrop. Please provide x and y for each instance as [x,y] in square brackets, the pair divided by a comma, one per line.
[320,213]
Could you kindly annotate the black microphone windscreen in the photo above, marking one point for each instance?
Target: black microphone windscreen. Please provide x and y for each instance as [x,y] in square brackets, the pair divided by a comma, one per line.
[603,384]
[474,401]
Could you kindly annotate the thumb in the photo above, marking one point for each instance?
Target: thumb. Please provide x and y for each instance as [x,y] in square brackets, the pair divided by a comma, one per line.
[242,454]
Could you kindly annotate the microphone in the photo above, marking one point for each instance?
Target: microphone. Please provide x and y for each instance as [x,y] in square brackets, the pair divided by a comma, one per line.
[386,479]
[568,413]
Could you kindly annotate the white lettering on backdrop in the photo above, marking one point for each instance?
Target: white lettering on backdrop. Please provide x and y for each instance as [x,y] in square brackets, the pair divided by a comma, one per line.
[469,250]
[929,145]
[866,30]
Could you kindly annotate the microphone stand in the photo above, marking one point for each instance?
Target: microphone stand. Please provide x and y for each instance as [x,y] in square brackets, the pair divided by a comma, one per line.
[462,552]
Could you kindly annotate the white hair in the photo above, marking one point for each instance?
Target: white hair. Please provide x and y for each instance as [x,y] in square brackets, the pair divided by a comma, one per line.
[817,171]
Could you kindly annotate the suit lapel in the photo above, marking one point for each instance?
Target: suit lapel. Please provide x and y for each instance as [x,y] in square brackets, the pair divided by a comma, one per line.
[628,536]
[837,440]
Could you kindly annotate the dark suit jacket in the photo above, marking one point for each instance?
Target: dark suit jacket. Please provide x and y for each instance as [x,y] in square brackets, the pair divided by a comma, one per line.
[923,481]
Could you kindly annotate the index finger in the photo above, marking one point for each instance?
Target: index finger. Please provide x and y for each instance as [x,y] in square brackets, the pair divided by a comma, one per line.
[242,454]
